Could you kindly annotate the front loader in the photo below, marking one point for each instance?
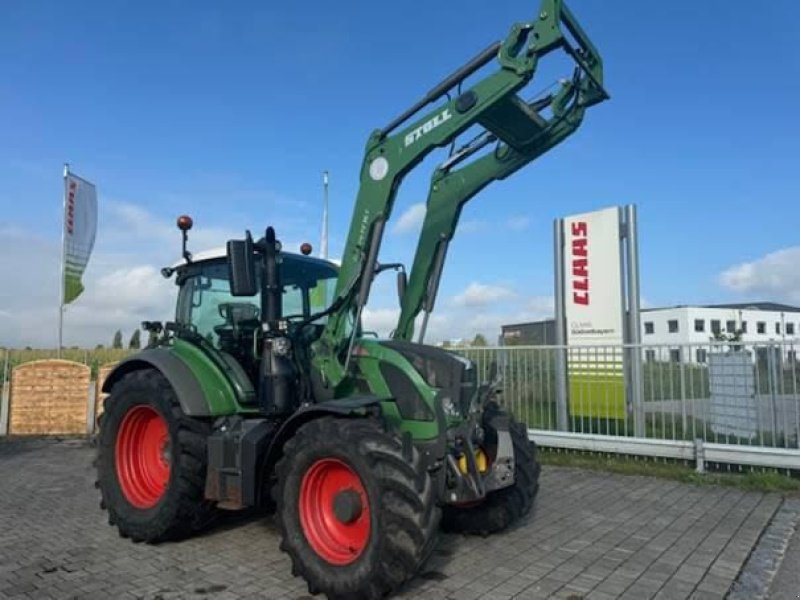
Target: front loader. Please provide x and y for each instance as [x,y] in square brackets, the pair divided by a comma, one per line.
[264,392]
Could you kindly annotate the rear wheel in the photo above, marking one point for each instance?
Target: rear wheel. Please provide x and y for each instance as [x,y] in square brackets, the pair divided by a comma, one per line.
[151,461]
[356,510]
[502,507]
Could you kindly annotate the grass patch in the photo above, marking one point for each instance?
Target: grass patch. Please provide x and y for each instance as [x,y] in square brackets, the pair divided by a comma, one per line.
[766,480]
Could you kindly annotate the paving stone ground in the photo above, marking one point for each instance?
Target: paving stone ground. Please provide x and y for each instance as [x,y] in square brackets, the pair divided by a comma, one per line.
[592,536]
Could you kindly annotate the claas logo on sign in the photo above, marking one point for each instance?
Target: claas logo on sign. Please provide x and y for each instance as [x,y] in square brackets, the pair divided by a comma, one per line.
[580,263]
[71,207]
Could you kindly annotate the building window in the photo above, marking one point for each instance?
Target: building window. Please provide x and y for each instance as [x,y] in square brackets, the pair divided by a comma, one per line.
[744,326]
[672,326]
[790,329]
[731,326]
[792,356]
[650,355]
[701,355]
[648,327]
[716,328]
[761,327]
[778,328]
[675,355]
[699,325]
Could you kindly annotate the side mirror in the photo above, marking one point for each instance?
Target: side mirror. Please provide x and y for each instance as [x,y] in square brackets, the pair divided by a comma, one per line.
[402,284]
[242,267]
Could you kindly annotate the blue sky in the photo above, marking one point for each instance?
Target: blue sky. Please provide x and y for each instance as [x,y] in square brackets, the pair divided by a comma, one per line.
[231,111]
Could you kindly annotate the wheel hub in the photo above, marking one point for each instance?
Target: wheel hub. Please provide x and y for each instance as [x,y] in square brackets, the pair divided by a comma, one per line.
[347,506]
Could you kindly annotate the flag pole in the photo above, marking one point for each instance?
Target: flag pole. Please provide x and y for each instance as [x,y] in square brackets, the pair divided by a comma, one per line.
[63,270]
[324,241]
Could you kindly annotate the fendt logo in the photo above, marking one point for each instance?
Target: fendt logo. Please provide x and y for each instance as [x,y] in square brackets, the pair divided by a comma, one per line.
[580,263]
[428,126]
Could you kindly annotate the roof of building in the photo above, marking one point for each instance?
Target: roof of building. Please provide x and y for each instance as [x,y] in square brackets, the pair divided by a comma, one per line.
[766,306]
[527,324]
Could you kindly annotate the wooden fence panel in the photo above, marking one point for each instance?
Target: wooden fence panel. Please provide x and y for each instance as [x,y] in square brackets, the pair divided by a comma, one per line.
[100,397]
[49,397]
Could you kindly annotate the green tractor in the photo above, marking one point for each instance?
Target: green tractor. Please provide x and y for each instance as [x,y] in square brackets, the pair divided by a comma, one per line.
[265,392]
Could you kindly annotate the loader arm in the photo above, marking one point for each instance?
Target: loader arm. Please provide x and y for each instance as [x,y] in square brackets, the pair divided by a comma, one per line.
[452,188]
[393,151]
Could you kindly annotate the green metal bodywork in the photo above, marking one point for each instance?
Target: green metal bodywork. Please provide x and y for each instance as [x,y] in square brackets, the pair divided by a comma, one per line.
[216,385]
[371,355]
[491,103]
[451,189]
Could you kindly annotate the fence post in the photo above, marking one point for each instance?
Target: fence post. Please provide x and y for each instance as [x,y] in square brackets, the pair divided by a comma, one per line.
[634,320]
[684,399]
[90,407]
[562,415]
[773,366]
[699,456]
[4,395]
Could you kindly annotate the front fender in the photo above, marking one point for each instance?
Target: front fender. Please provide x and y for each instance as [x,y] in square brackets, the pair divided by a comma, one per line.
[353,407]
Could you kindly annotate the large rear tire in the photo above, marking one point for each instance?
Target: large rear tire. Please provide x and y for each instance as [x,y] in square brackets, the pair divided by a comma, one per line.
[502,507]
[356,510]
[151,461]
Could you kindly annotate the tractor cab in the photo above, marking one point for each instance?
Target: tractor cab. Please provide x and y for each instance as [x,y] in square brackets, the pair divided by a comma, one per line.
[231,325]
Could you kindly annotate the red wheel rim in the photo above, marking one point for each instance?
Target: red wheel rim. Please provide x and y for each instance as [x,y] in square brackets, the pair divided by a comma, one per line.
[142,456]
[338,541]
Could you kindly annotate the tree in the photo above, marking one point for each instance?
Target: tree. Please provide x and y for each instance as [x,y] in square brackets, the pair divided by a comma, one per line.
[99,347]
[117,343]
[479,341]
[733,339]
[136,340]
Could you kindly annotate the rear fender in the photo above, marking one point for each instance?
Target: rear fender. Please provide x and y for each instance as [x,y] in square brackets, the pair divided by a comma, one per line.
[187,388]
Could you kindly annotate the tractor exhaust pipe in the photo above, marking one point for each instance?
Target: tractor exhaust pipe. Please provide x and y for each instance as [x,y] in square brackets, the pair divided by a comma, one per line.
[271,308]
[276,371]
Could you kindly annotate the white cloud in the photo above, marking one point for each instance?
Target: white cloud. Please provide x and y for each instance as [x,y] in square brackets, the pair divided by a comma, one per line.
[411,219]
[541,306]
[123,281]
[518,222]
[479,294]
[775,276]
[451,320]
[380,320]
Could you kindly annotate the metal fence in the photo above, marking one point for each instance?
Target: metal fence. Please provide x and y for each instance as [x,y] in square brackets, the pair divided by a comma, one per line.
[712,402]
[715,402]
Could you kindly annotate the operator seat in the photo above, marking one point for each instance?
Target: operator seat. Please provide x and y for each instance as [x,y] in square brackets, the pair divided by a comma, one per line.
[236,341]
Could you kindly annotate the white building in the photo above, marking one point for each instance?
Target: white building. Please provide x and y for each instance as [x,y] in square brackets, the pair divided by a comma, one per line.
[685,333]
[687,328]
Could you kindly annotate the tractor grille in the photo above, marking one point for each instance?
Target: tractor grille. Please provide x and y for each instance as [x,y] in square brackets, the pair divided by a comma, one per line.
[452,374]
[409,401]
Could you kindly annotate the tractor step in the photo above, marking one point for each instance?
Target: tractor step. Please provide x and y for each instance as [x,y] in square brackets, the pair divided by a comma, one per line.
[233,451]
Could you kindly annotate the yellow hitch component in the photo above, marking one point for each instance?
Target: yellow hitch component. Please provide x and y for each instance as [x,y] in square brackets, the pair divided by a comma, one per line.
[481,461]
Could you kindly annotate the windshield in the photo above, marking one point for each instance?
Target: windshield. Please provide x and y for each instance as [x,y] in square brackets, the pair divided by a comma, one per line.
[206,305]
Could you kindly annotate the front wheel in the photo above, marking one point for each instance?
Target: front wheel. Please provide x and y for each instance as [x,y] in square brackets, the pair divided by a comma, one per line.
[356,510]
[502,507]
[151,461]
